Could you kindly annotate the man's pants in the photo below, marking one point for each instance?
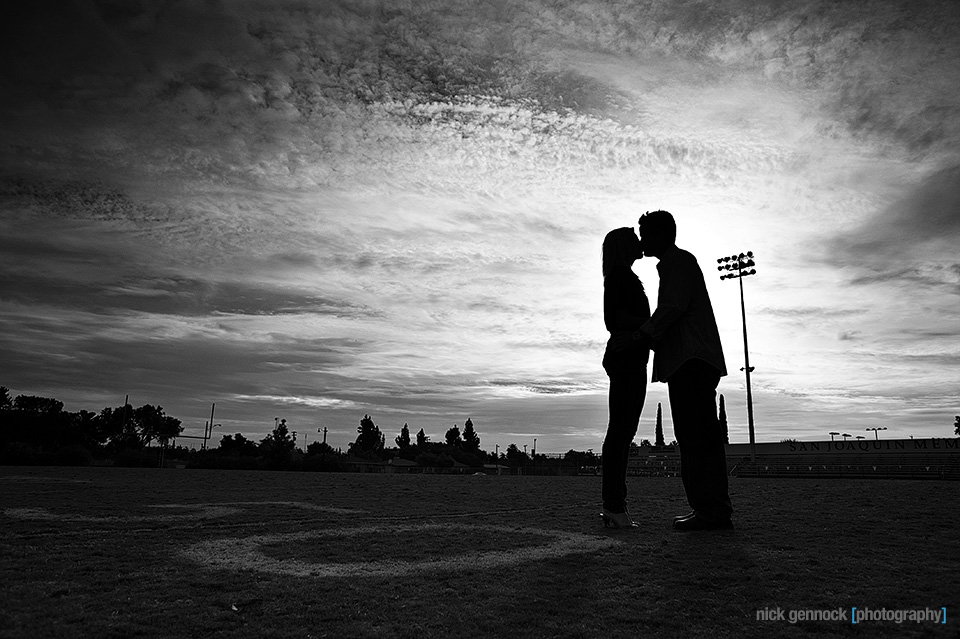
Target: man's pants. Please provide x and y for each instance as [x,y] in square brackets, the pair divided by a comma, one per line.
[627,393]
[703,464]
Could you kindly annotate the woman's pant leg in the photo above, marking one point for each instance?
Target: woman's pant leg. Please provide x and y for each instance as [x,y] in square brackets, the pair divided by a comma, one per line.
[627,394]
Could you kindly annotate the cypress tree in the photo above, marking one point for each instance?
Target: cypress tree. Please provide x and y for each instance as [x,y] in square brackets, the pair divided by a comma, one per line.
[660,441]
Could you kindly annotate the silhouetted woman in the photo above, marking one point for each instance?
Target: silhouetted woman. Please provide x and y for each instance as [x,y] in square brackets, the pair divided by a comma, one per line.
[625,310]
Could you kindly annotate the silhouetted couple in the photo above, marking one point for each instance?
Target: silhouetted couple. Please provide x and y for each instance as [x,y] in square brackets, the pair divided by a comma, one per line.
[682,332]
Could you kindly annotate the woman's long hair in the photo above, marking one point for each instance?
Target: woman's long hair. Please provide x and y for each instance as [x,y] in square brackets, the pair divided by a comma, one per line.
[619,246]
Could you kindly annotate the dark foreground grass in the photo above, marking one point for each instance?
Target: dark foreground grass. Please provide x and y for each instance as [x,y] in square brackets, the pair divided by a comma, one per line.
[107,553]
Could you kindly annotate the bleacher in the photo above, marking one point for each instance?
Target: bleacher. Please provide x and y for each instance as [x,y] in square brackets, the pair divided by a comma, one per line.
[654,466]
[850,465]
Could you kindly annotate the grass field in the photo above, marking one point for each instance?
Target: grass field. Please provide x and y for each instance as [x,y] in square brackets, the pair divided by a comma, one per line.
[104,552]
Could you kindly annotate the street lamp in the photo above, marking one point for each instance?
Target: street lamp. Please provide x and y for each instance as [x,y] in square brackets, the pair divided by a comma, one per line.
[876,434]
[738,267]
[832,434]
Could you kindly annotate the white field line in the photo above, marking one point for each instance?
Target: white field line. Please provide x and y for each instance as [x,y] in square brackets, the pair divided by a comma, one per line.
[201,511]
[41,514]
[29,479]
[246,554]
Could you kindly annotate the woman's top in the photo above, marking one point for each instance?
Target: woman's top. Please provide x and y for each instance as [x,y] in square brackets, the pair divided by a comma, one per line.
[625,308]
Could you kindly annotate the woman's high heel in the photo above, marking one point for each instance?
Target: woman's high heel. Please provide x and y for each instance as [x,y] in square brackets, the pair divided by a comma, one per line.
[617,520]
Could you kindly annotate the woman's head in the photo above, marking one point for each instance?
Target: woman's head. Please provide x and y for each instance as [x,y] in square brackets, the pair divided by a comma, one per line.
[621,248]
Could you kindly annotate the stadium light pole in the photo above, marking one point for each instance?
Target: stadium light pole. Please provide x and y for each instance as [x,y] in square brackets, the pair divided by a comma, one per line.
[876,429]
[739,267]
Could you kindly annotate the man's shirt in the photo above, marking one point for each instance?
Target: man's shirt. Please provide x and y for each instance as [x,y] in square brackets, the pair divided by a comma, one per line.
[683,327]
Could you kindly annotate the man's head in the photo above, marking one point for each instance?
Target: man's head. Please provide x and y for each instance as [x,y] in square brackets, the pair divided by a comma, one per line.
[658,232]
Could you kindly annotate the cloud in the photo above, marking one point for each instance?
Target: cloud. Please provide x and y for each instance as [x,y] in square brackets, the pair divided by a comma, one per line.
[85,258]
[805,313]
[908,243]
[312,402]
[161,358]
[341,206]
[886,71]
[519,388]
[245,92]
[929,212]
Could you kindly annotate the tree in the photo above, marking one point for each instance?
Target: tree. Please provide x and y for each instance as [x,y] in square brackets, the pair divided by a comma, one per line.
[320,448]
[42,422]
[278,445]
[41,405]
[471,441]
[152,424]
[723,421]
[370,441]
[516,456]
[39,421]
[83,430]
[128,428]
[422,439]
[403,440]
[585,462]
[111,428]
[453,437]
[427,459]
[238,445]
[659,425]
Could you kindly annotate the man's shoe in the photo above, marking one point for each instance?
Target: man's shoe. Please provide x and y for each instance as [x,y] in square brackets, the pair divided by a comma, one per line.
[699,523]
[687,516]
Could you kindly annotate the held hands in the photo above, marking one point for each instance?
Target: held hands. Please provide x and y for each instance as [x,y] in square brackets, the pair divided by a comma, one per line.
[621,340]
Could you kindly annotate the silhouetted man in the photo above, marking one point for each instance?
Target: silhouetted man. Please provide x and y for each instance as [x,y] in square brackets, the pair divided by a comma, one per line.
[689,358]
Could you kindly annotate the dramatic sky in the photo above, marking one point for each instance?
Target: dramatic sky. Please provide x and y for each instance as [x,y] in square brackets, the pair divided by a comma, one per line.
[321,209]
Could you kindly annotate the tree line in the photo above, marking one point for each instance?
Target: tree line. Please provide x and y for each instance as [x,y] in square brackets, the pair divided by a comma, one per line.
[36,430]
[457,447]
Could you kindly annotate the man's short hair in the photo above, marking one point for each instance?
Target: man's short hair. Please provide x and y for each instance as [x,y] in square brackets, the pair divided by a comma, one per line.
[659,223]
